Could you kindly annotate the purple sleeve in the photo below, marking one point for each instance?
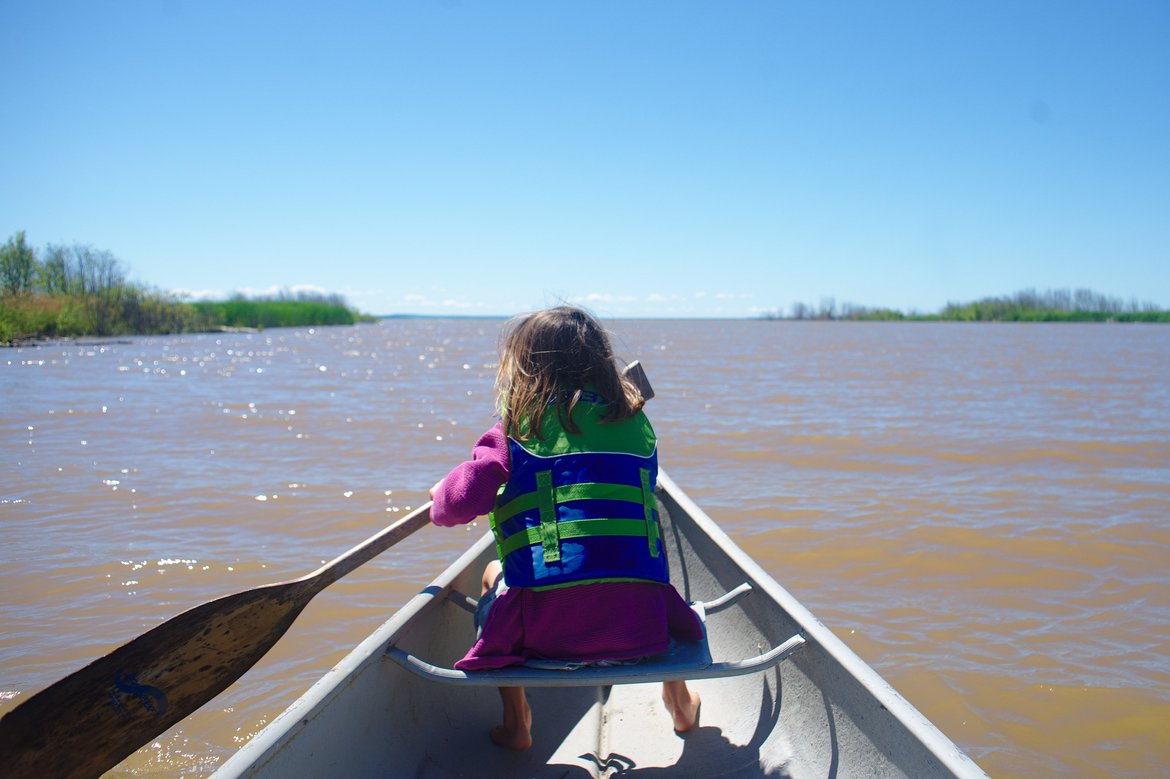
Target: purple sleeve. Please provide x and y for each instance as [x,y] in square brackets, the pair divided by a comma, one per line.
[469,491]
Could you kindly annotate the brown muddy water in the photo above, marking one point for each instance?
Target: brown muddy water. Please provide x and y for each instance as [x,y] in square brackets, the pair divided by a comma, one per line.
[980,511]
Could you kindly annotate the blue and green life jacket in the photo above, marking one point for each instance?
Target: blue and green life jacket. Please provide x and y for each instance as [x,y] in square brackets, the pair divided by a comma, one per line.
[579,507]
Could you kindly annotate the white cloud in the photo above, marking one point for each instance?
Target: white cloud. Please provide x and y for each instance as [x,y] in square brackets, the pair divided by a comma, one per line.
[276,289]
[417,302]
[199,294]
[602,297]
[250,292]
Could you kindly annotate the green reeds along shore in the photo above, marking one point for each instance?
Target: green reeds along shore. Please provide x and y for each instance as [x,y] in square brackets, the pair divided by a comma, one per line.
[281,311]
[72,291]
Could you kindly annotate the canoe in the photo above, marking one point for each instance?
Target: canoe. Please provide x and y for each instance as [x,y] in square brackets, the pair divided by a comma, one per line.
[782,696]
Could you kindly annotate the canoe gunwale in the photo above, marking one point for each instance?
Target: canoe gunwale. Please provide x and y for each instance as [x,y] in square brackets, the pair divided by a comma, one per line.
[817,633]
[297,740]
[265,746]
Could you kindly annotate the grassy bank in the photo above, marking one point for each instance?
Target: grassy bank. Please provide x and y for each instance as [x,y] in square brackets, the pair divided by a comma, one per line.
[1026,306]
[122,311]
[133,312]
[73,291]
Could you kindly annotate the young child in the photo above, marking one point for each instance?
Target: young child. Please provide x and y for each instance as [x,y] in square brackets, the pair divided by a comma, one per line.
[567,476]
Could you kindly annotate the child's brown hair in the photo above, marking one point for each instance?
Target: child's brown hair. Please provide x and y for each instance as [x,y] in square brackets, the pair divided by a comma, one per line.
[547,359]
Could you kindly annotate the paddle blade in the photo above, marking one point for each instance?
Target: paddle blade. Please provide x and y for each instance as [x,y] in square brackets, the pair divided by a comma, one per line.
[636,374]
[93,719]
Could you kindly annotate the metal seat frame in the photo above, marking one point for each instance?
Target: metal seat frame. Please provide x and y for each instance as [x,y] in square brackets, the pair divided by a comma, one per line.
[688,661]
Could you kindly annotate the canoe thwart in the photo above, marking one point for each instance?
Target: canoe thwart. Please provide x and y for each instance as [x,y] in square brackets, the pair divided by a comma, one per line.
[683,661]
[465,602]
[727,599]
[468,603]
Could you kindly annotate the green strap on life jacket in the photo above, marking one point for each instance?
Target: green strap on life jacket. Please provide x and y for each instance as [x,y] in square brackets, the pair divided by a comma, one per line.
[648,507]
[574,529]
[550,532]
[568,492]
[550,537]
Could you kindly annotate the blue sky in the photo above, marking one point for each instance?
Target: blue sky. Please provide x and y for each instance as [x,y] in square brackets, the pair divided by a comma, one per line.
[643,158]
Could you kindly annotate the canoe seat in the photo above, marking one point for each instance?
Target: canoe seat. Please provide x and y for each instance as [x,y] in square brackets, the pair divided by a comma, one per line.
[680,662]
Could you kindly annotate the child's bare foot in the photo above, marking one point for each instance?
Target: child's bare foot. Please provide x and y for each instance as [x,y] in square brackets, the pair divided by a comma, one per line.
[683,705]
[516,730]
[510,738]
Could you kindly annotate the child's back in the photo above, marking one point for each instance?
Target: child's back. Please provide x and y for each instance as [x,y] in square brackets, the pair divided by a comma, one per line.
[568,477]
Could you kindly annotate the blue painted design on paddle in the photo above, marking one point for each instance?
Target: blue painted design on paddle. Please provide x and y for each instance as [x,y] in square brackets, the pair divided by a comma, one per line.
[152,698]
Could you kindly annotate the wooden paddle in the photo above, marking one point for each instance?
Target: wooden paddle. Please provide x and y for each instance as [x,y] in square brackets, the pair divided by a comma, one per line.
[93,719]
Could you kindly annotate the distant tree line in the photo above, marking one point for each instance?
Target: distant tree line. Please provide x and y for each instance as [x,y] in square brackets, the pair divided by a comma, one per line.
[69,291]
[829,310]
[1060,305]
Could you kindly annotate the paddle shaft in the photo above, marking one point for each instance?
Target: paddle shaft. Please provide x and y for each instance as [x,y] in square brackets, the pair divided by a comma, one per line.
[369,549]
[91,720]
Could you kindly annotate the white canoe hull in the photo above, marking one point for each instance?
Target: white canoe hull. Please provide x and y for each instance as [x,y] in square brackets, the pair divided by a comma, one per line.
[821,712]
